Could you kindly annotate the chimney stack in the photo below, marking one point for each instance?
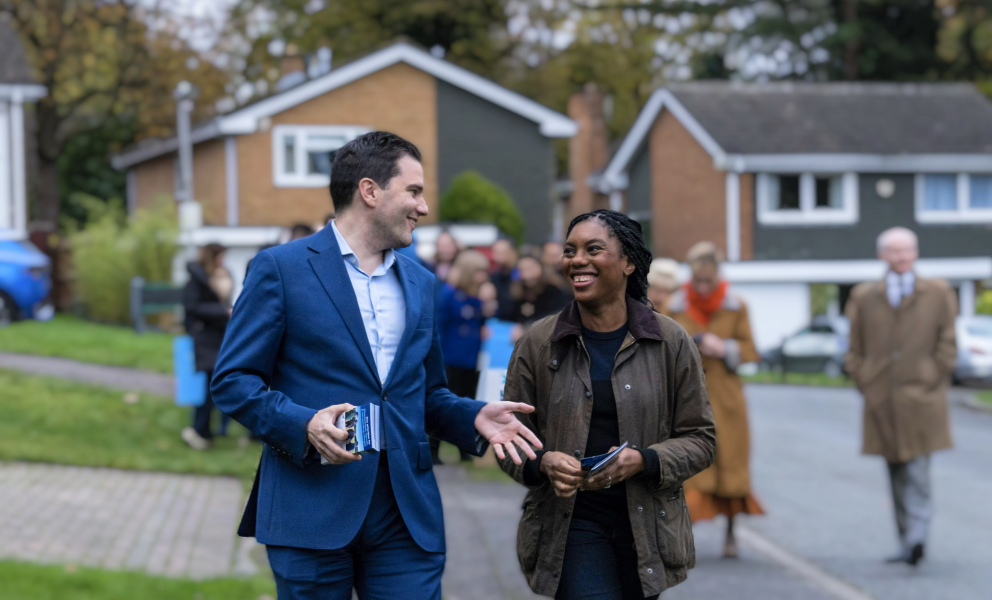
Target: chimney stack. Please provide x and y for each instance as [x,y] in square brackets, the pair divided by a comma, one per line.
[588,150]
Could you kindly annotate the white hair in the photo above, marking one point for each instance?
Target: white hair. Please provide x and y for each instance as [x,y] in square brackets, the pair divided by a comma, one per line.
[890,235]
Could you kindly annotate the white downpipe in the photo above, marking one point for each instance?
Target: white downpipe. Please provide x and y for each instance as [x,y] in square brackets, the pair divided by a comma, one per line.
[733,212]
[231,179]
[966,298]
[18,167]
[6,210]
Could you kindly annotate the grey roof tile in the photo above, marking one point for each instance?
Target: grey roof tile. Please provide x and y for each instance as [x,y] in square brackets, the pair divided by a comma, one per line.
[869,118]
[14,67]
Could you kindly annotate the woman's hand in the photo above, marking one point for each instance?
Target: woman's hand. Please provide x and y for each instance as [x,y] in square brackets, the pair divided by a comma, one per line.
[713,346]
[564,471]
[629,463]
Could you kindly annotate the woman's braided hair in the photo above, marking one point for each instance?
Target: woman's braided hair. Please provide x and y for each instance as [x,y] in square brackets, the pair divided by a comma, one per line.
[628,231]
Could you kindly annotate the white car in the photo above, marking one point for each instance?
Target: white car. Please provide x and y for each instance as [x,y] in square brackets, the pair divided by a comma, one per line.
[974,338]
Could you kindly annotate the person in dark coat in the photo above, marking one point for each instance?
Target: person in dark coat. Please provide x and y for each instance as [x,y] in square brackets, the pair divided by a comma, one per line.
[207,302]
[503,275]
[534,296]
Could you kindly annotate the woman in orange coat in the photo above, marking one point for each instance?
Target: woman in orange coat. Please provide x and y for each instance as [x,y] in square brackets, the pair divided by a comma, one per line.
[717,319]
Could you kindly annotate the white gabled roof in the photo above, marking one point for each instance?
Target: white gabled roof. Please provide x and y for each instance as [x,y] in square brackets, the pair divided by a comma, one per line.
[830,127]
[615,175]
[552,124]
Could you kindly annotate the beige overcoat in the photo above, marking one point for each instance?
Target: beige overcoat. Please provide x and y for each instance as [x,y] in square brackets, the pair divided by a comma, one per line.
[902,360]
[729,476]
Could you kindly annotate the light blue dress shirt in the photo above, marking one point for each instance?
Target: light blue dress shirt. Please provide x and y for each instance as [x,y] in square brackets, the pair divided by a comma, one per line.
[381,302]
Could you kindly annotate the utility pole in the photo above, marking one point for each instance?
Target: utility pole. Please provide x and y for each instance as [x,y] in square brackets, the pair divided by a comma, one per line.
[190,212]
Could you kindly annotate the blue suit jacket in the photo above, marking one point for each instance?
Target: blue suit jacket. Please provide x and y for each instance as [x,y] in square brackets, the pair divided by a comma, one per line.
[296,344]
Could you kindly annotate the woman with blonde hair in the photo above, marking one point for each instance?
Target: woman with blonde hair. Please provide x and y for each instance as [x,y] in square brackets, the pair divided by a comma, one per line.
[663,280]
[207,302]
[717,320]
[460,317]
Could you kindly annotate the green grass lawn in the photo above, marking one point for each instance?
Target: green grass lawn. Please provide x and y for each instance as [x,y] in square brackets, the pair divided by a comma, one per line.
[818,379]
[23,581]
[983,396]
[52,420]
[71,337]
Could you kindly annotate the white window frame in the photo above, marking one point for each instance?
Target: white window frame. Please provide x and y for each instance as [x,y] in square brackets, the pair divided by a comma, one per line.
[964,213]
[808,213]
[300,178]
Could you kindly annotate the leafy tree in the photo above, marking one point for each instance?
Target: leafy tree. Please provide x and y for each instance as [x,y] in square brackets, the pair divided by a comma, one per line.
[471,197]
[471,33]
[105,73]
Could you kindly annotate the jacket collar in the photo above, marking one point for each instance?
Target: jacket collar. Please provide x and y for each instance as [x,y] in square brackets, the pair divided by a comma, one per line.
[641,322]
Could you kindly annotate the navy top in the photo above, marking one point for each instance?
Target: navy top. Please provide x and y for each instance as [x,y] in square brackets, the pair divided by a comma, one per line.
[459,325]
[604,427]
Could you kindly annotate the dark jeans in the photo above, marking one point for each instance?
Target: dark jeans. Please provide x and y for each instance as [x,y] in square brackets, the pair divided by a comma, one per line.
[461,382]
[202,413]
[600,561]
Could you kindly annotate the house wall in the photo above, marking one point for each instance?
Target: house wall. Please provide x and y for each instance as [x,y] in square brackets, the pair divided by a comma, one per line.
[399,99]
[876,214]
[473,133]
[209,182]
[688,194]
[154,178]
[638,195]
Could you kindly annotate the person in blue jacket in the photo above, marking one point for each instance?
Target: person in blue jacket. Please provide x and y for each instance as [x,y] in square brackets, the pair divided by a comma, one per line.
[333,321]
[460,319]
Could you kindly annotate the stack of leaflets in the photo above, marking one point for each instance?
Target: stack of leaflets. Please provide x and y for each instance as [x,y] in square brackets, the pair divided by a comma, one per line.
[595,464]
[362,425]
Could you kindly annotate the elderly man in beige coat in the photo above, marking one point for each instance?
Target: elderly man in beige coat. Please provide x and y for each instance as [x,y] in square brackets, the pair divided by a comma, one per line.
[902,356]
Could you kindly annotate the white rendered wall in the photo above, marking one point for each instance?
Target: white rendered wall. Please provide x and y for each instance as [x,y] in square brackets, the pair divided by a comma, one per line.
[777,310]
[6,187]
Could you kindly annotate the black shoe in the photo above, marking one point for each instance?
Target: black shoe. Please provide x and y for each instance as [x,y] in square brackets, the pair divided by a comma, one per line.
[915,555]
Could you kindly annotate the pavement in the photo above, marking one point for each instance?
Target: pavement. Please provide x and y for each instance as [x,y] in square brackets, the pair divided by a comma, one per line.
[122,378]
[826,533]
[159,523]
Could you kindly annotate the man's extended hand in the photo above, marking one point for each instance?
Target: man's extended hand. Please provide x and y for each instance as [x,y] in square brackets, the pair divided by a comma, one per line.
[497,424]
[324,435]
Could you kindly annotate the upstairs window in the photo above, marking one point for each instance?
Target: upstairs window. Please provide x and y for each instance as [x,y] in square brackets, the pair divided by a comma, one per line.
[954,198]
[807,199]
[302,155]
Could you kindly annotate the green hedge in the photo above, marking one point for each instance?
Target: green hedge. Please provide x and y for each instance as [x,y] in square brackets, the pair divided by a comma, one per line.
[112,248]
[472,197]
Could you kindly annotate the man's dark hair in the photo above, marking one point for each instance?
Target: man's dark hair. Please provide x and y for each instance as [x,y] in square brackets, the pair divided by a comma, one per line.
[300,230]
[628,232]
[374,155]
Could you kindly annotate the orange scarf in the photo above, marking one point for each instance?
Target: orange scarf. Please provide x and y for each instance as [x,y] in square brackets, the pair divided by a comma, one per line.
[701,308]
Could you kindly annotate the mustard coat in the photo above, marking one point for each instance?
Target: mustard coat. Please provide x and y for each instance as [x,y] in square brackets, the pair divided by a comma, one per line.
[729,476]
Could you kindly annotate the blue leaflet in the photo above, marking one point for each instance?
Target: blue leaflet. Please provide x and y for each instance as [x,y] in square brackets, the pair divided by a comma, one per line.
[594,464]
[362,424]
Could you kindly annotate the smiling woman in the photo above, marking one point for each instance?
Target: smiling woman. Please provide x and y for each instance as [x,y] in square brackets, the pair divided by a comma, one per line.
[605,371]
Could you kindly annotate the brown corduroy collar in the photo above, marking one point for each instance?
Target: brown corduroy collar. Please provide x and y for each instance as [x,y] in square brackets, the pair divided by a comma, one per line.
[641,322]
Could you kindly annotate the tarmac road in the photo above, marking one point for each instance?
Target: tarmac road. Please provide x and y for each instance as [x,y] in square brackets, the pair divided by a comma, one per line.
[828,526]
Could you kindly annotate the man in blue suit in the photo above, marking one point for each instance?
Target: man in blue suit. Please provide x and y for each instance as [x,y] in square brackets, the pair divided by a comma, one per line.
[338,320]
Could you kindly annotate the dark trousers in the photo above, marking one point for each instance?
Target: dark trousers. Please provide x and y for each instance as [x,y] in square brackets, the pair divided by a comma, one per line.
[383,562]
[600,561]
[461,382]
[202,413]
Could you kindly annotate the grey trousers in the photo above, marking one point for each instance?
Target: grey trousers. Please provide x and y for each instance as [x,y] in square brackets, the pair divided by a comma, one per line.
[911,497]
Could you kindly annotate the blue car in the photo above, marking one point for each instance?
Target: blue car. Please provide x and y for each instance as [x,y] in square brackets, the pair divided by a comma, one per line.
[25,283]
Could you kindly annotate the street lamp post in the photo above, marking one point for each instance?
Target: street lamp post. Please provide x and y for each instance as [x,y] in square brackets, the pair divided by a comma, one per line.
[190,213]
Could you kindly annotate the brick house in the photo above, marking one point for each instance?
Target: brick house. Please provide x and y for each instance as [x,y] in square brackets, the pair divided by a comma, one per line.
[267,165]
[796,180]
[18,86]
